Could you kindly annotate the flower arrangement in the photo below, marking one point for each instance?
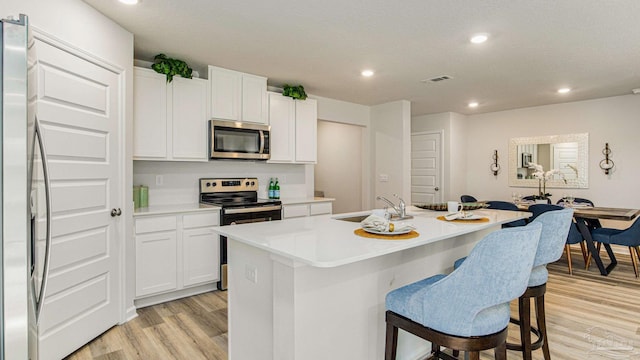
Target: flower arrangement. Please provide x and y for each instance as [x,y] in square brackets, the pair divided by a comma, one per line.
[542,177]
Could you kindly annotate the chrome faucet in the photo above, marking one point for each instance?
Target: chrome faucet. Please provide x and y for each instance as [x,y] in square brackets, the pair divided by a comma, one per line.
[400,209]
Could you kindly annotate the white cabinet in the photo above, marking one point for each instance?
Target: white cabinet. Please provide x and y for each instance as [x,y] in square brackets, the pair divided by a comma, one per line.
[237,96]
[294,129]
[176,253]
[149,114]
[306,209]
[170,119]
[156,263]
[306,131]
[200,249]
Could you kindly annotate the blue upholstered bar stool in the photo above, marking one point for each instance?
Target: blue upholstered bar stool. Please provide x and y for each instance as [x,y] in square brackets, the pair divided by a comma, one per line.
[555,228]
[467,310]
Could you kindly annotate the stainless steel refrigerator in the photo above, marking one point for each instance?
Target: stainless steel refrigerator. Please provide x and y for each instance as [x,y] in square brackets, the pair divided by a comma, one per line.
[25,214]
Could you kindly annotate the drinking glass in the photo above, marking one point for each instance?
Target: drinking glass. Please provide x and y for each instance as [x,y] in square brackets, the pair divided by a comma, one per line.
[569,199]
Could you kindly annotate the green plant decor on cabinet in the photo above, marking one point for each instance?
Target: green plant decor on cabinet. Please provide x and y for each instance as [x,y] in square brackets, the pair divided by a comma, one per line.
[296,92]
[171,67]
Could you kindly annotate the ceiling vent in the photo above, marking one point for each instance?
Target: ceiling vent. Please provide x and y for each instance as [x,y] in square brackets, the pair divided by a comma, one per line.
[437,79]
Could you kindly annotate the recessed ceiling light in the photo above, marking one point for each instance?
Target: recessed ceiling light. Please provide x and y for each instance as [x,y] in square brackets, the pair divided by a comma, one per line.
[479,38]
[563,90]
[367,73]
[129,2]
[473,104]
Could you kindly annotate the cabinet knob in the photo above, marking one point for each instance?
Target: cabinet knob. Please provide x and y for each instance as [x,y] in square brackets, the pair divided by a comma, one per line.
[116,212]
[436,188]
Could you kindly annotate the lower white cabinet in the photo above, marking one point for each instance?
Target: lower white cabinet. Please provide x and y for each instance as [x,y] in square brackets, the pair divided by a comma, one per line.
[306,209]
[156,263]
[176,252]
[199,246]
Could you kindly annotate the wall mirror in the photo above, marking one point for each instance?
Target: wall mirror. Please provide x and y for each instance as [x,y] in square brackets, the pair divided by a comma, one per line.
[567,153]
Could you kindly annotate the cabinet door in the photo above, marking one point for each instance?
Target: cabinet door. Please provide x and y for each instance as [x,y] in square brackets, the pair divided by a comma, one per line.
[254,99]
[189,119]
[306,131]
[226,93]
[291,211]
[149,114]
[156,263]
[282,122]
[201,256]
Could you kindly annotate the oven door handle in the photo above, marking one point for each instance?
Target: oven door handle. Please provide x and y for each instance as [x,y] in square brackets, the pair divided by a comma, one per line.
[252,209]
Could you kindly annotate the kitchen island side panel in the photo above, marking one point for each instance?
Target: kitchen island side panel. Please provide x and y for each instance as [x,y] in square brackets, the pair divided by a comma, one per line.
[297,311]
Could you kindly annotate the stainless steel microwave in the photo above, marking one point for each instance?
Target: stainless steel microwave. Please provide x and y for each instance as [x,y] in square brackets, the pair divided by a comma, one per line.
[238,140]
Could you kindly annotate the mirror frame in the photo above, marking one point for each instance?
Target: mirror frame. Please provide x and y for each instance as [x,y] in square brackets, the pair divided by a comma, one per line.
[582,181]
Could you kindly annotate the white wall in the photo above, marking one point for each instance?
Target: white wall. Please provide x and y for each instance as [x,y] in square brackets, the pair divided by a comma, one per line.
[339,169]
[342,111]
[79,25]
[180,179]
[391,149]
[613,120]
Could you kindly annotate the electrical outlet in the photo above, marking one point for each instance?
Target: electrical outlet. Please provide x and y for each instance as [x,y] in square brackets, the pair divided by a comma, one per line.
[251,273]
[384,178]
[159,180]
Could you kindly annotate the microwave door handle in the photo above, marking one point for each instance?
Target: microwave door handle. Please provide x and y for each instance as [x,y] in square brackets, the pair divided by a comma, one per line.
[47,192]
[261,151]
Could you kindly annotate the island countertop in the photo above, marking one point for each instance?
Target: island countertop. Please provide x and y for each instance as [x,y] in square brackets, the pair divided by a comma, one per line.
[325,241]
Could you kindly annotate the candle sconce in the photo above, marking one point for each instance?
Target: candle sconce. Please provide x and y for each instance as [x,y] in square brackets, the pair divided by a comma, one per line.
[495,167]
[606,164]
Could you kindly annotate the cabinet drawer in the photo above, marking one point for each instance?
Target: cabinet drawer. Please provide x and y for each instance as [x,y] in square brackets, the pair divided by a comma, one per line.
[296,211]
[201,220]
[153,224]
[320,208]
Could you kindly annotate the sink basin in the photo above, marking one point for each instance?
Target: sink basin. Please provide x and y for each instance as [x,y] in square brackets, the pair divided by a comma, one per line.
[359,218]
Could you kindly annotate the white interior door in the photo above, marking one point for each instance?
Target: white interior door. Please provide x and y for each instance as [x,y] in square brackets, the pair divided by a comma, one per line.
[426,178]
[79,107]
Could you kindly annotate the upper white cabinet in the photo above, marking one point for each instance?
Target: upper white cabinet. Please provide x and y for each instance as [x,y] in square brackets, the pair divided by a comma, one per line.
[170,119]
[238,96]
[149,114]
[294,129]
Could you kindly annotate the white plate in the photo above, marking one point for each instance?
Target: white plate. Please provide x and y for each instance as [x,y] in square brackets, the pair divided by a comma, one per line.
[469,217]
[406,231]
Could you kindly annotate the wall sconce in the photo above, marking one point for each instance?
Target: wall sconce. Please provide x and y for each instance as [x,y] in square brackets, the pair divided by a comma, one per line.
[606,164]
[495,167]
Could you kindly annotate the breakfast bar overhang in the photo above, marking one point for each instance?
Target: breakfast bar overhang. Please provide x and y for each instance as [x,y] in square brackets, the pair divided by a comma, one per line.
[310,289]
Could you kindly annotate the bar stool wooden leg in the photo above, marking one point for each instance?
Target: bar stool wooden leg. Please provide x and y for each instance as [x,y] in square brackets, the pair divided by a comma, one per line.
[525,326]
[391,346]
[542,326]
[501,351]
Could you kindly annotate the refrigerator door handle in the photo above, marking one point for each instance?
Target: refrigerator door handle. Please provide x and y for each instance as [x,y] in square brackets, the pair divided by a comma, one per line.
[47,192]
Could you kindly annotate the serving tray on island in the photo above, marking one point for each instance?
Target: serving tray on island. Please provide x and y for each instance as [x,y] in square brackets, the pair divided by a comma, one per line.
[443,206]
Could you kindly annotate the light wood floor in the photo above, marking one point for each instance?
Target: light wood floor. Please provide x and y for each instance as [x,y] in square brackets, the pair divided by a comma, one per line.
[589,317]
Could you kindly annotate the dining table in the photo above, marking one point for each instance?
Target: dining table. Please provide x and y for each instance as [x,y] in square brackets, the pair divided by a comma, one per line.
[584,216]
[587,218]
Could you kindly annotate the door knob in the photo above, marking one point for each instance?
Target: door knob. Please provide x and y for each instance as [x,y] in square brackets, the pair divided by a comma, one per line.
[116,212]
[436,188]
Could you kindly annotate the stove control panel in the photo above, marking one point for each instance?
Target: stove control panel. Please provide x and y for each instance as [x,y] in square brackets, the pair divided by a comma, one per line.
[228,185]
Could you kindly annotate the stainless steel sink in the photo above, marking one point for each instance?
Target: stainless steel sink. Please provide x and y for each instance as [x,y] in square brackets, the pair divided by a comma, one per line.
[357,218]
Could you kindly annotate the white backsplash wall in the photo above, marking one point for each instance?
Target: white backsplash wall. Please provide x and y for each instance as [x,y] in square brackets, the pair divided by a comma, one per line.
[180,179]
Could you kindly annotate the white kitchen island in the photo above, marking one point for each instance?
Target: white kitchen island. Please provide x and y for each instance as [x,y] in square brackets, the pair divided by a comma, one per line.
[310,289]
